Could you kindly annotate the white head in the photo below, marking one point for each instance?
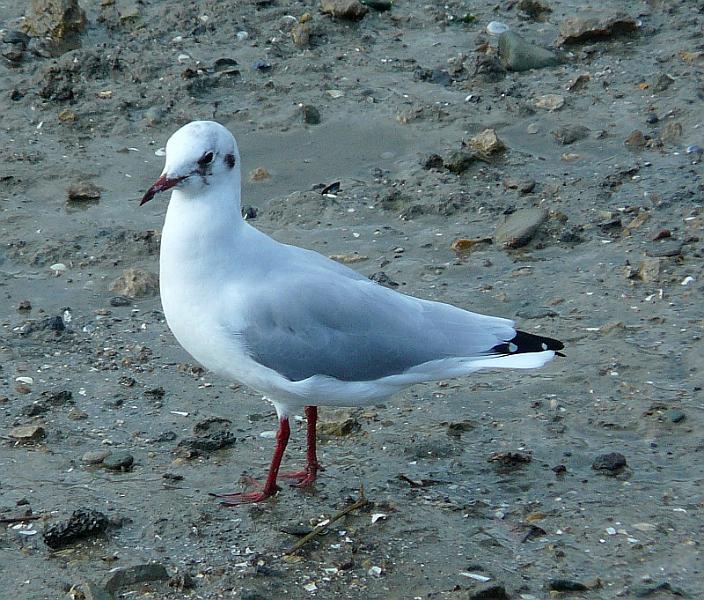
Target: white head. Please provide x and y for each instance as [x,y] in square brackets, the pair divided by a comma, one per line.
[197,155]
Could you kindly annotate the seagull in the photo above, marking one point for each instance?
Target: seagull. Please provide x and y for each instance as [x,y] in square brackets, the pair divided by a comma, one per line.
[299,328]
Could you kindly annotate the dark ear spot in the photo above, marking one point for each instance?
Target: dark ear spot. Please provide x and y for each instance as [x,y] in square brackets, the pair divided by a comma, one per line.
[230,160]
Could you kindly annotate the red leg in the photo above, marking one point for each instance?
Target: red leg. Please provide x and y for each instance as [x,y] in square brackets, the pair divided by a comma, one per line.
[270,488]
[309,474]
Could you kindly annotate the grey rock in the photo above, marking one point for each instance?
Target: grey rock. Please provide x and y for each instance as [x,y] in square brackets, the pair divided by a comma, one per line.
[13,52]
[576,30]
[570,133]
[124,576]
[154,116]
[665,247]
[92,591]
[16,37]
[311,115]
[566,585]
[94,457]
[352,10]
[517,54]
[459,161]
[663,82]
[675,415]
[520,227]
[136,283]
[489,591]
[612,462]
[118,461]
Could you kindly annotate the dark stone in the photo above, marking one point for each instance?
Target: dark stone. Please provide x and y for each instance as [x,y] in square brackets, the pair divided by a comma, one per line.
[82,523]
[612,462]
[118,461]
[210,443]
[566,585]
[489,591]
[559,469]
[675,415]
[383,279]
[434,161]
[250,212]
[459,161]
[311,115]
[664,247]
[16,37]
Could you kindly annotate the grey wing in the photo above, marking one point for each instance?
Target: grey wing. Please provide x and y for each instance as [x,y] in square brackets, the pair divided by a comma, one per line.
[357,330]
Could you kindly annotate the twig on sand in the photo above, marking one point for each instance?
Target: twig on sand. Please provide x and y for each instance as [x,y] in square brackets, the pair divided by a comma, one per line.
[359,503]
[10,520]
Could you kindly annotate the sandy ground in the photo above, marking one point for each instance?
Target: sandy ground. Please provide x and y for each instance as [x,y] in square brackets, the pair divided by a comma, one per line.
[615,272]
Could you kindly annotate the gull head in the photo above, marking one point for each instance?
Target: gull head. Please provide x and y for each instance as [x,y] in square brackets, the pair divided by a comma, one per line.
[196,155]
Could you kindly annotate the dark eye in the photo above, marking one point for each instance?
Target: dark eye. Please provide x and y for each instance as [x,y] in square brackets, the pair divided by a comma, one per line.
[206,159]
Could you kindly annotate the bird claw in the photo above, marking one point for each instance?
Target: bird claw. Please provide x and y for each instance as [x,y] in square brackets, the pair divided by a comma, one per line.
[302,478]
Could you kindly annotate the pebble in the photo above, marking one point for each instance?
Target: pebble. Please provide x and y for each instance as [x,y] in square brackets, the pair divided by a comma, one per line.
[24,305]
[487,142]
[94,457]
[636,140]
[488,591]
[383,279]
[519,227]
[380,5]
[154,115]
[136,283]
[549,102]
[124,576]
[675,415]
[83,191]
[577,30]
[663,82]
[517,54]
[666,247]
[259,174]
[352,10]
[612,462]
[27,433]
[301,34]
[340,428]
[570,133]
[16,37]
[120,301]
[459,161]
[118,461]
[311,115]
[566,585]
[55,19]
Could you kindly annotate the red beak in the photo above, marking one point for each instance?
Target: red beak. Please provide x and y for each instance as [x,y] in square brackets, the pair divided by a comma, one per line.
[162,184]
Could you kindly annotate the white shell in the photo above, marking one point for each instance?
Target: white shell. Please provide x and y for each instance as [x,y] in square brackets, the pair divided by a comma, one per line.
[496,28]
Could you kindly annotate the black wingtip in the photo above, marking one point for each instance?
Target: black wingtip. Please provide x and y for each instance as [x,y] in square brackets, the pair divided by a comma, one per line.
[524,342]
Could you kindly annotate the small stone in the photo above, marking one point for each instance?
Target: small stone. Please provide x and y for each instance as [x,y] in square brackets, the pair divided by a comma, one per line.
[83,191]
[153,116]
[671,133]
[82,523]
[383,279]
[118,461]
[311,115]
[136,283]
[577,30]
[636,140]
[91,591]
[12,52]
[675,415]
[535,9]
[489,591]
[559,469]
[519,228]
[457,428]
[570,133]
[566,585]
[67,116]
[352,10]
[487,142]
[59,20]
[433,161]
[94,457]
[124,576]
[249,212]
[613,462]
[24,305]
[663,82]
[259,174]
[16,37]
[551,102]
[301,34]
[459,161]
[517,54]
[27,433]
[380,5]
[649,270]
[120,301]
[339,428]
[510,459]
